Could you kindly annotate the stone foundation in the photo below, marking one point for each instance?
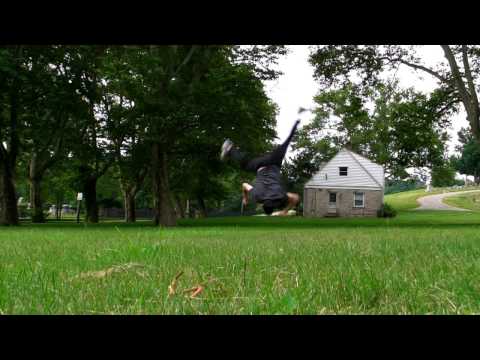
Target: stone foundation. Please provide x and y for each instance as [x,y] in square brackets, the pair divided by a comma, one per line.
[316,203]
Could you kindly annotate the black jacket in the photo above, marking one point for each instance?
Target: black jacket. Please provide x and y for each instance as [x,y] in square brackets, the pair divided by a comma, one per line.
[268,184]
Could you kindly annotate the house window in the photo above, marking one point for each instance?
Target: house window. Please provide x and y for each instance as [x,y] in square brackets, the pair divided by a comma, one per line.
[358,199]
[332,198]
[343,171]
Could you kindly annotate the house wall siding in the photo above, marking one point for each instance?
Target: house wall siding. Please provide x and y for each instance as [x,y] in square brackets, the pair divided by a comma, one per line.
[374,169]
[357,174]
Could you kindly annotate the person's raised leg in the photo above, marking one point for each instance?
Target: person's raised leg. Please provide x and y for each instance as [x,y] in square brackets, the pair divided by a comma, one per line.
[243,159]
[277,155]
[229,150]
[273,158]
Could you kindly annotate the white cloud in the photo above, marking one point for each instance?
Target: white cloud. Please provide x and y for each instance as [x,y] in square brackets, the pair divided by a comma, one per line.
[294,89]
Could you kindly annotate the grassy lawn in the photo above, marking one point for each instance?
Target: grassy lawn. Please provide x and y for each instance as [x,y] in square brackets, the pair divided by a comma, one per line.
[408,200]
[466,201]
[416,263]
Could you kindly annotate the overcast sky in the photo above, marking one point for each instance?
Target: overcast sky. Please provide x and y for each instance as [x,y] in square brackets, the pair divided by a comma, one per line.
[296,87]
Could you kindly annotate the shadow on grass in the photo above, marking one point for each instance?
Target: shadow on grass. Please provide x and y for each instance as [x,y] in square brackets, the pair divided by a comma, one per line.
[405,219]
[67,223]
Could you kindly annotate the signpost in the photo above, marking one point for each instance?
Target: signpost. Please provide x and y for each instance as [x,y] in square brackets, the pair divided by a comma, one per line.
[79,203]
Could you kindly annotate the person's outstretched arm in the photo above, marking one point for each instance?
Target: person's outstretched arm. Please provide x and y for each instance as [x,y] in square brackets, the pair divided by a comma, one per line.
[246,188]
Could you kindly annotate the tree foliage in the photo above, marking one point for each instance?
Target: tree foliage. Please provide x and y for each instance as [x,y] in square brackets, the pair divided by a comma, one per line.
[468,162]
[457,77]
[146,115]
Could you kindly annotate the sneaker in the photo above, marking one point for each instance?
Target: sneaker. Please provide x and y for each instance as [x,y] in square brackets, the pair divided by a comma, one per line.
[227,145]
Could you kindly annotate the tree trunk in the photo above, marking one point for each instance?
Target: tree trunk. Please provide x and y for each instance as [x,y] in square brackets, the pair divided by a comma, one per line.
[90,195]
[468,97]
[181,210]
[36,200]
[37,169]
[8,199]
[35,180]
[474,118]
[201,205]
[129,199]
[58,205]
[57,210]
[164,213]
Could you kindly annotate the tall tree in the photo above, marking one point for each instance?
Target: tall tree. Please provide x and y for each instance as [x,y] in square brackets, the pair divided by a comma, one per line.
[93,154]
[244,109]
[13,73]
[125,124]
[171,75]
[158,68]
[130,105]
[53,103]
[457,77]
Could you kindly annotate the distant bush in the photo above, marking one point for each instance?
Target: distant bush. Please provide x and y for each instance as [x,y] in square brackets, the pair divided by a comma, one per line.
[386,211]
[397,186]
[23,211]
[443,176]
[109,203]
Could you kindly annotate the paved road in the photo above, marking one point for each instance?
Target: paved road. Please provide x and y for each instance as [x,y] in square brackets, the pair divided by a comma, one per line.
[434,202]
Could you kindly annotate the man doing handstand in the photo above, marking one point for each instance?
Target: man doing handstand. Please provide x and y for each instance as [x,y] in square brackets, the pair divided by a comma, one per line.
[268,188]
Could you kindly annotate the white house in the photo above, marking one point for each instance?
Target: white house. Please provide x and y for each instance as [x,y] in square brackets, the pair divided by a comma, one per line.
[347,185]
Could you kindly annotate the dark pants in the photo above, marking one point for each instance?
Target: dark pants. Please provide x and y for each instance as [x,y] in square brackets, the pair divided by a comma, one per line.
[273,158]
